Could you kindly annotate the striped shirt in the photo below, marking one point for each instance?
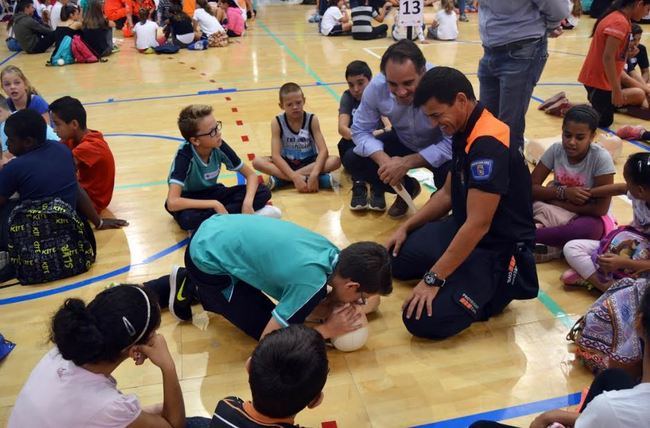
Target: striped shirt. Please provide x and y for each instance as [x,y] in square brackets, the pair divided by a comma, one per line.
[362,18]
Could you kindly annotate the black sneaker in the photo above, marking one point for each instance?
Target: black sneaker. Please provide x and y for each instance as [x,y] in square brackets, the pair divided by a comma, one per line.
[180,294]
[400,207]
[359,199]
[377,199]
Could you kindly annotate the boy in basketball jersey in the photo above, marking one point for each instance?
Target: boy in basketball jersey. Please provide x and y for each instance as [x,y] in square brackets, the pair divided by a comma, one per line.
[298,151]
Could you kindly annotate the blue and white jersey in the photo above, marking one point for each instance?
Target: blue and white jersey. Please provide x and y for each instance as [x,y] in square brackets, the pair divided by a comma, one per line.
[297,145]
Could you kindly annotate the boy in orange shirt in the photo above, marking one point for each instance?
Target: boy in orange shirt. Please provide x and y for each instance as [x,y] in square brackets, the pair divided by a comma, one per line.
[92,156]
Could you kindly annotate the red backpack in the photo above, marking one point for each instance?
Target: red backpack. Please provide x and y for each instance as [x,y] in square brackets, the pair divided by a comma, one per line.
[81,52]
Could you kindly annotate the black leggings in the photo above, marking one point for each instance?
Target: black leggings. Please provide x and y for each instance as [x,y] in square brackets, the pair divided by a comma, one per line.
[608,380]
[601,101]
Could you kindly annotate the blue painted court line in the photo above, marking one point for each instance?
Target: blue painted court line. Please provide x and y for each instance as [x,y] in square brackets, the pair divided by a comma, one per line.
[211,92]
[299,60]
[9,58]
[94,279]
[509,412]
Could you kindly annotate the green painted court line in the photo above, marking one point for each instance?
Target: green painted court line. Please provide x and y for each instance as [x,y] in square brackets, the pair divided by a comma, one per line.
[555,309]
[296,58]
[160,183]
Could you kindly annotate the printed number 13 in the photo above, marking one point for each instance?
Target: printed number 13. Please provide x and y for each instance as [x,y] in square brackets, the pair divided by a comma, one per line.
[416,7]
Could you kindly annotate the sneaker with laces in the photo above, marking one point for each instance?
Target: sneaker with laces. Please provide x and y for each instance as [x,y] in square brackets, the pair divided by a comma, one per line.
[359,199]
[463,18]
[630,132]
[180,294]
[400,207]
[377,200]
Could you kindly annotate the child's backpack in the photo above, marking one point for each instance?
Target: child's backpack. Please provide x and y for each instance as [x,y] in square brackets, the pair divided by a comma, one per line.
[63,54]
[625,241]
[49,241]
[81,52]
[167,48]
[605,336]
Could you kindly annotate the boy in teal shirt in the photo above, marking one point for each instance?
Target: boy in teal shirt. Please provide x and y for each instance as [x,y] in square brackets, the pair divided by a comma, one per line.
[194,193]
[235,261]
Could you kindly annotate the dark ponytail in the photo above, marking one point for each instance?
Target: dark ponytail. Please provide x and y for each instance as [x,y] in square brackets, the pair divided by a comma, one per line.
[117,318]
[637,168]
[616,5]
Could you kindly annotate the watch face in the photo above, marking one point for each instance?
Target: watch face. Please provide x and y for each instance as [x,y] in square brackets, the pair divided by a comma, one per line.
[429,279]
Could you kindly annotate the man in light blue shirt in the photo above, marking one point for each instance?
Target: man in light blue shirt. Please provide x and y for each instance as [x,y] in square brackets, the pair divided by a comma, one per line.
[514,35]
[413,142]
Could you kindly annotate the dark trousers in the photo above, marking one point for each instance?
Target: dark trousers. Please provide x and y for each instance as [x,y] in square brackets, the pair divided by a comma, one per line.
[378,32]
[231,198]
[44,42]
[5,211]
[365,169]
[601,101]
[474,292]
[608,380]
[244,306]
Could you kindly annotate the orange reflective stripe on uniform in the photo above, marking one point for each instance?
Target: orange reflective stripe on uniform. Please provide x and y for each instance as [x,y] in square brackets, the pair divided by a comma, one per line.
[489,126]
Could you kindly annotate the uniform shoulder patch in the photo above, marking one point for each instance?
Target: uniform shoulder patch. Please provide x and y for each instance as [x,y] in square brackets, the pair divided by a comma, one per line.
[482,169]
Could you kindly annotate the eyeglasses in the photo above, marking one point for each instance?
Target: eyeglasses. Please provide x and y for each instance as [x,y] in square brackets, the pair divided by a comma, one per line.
[213,132]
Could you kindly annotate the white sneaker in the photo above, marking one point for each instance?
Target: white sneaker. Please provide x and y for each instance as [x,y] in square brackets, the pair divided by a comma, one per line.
[270,211]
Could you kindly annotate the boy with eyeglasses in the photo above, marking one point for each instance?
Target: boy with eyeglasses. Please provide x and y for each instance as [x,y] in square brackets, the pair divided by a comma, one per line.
[194,193]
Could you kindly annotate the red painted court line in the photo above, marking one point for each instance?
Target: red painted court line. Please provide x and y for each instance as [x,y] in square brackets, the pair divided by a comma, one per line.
[251,156]
[234,110]
[228,98]
[329,424]
[240,122]
[244,138]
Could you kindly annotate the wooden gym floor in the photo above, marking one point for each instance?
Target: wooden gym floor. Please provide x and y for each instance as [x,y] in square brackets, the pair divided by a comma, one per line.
[517,358]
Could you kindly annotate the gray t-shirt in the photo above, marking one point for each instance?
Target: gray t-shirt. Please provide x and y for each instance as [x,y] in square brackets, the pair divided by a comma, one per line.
[597,162]
[348,105]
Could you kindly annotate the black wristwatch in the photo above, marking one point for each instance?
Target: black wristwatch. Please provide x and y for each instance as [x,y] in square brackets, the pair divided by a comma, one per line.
[431,279]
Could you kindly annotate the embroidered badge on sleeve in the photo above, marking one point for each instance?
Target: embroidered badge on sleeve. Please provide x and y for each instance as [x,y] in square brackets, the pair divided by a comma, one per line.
[481,169]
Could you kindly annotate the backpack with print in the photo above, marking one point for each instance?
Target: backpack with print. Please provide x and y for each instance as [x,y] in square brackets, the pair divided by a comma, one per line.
[49,241]
[64,53]
[624,241]
[605,336]
[81,52]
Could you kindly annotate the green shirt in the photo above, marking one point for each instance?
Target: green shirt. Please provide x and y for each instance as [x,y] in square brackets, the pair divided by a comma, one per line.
[285,261]
[189,171]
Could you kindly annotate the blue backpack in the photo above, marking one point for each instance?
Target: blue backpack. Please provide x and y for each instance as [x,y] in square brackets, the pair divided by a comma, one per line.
[64,52]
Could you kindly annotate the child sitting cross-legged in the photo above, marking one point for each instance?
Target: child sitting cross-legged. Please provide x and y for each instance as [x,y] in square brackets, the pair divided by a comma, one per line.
[92,155]
[146,33]
[194,193]
[298,150]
